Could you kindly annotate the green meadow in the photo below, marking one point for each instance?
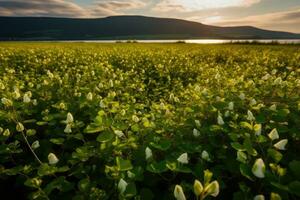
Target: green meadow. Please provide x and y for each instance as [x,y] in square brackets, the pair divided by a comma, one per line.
[149,121]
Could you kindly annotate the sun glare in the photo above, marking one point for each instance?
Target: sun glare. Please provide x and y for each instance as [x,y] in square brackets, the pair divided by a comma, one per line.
[207,4]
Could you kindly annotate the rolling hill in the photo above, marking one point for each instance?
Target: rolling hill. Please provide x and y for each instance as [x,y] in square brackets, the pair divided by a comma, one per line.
[125,27]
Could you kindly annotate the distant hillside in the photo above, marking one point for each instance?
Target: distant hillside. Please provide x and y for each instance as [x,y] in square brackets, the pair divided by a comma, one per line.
[125,27]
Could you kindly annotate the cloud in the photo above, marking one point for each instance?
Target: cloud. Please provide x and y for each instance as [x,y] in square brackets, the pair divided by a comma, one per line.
[194,5]
[56,8]
[65,8]
[284,21]
[109,8]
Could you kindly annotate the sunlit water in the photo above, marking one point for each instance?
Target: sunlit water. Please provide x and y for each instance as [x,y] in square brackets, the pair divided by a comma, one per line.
[195,41]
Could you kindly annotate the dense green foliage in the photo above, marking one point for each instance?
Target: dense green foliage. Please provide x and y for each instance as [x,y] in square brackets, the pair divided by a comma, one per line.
[131,121]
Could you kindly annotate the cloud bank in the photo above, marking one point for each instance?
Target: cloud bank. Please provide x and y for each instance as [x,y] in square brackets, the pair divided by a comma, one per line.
[63,8]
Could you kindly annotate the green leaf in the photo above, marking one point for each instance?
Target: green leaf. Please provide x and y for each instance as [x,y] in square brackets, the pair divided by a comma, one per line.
[84,184]
[238,146]
[60,184]
[295,168]
[46,169]
[246,171]
[241,156]
[275,155]
[123,165]
[177,167]
[105,136]
[294,188]
[130,190]
[248,145]
[157,168]
[57,141]
[93,129]
[33,182]
[146,194]
[162,144]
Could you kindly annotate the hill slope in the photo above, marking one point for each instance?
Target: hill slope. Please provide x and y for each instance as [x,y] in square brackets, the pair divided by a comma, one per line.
[124,27]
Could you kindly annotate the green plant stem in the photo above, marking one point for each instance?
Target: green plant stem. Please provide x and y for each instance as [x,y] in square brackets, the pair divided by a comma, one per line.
[34,154]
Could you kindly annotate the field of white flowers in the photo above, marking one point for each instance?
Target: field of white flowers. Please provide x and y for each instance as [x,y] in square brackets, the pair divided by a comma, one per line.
[149,121]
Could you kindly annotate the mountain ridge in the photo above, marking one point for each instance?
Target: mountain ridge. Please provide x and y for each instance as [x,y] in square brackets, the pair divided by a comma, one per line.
[126,27]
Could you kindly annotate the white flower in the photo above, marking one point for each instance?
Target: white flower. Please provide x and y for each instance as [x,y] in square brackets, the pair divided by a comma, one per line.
[34,102]
[198,188]
[26,98]
[68,128]
[205,155]
[178,193]
[250,116]
[20,127]
[50,75]
[259,168]
[242,96]
[197,122]
[259,197]
[6,101]
[52,159]
[220,120]
[278,81]
[196,133]
[6,133]
[70,118]
[257,129]
[102,104]
[273,135]
[111,83]
[212,189]
[252,102]
[227,113]
[183,158]
[119,133]
[122,185]
[230,105]
[273,107]
[35,144]
[89,96]
[148,153]
[16,93]
[281,144]
[135,118]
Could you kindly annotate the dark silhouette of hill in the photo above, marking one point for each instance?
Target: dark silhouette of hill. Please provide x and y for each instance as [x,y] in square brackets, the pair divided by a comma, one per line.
[125,27]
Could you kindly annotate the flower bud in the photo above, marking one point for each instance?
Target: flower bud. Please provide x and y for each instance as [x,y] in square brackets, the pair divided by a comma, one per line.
[220,120]
[6,102]
[205,155]
[122,185]
[281,144]
[178,193]
[119,133]
[148,153]
[35,144]
[198,188]
[68,128]
[52,159]
[259,168]
[196,133]
[259,197]
[20,127]
[89,96]
[183,158]
[70,118]
[212,189]
[230,105]
[273,135]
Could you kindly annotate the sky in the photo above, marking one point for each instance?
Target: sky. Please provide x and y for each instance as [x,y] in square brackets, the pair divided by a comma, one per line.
[282,15]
